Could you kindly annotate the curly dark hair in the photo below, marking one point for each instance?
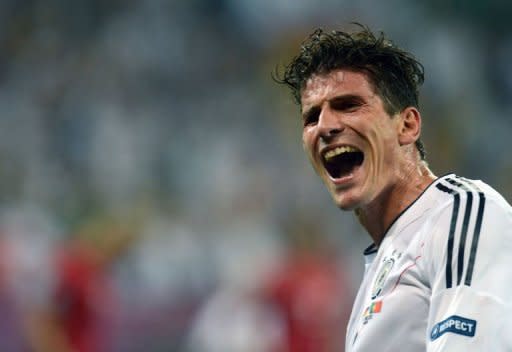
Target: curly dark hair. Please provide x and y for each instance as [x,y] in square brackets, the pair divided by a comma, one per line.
[394,73]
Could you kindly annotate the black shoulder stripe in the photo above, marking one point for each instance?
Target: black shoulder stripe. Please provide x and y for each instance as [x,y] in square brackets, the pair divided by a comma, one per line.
[453,223]
[476,235]
[464,230]
[470,188]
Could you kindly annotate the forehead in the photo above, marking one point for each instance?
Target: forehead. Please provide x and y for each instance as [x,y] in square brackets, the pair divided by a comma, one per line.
[335,83]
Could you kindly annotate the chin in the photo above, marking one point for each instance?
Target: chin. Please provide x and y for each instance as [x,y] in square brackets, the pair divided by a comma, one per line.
[347,207]
[346,204]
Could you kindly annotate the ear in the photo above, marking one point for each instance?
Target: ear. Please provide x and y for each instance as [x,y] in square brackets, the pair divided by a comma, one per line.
[409,128]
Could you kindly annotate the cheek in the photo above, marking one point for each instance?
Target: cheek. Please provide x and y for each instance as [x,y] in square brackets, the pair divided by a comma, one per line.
[382,136]
[308,143]
[311,157]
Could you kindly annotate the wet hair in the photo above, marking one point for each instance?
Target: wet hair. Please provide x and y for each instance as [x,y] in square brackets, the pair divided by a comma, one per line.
[394,73]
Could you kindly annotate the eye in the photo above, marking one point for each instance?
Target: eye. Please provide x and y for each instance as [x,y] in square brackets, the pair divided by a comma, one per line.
[310,117]
[347,104]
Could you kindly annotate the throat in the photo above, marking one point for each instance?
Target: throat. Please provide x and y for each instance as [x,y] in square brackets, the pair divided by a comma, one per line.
[381,213]
[373,223]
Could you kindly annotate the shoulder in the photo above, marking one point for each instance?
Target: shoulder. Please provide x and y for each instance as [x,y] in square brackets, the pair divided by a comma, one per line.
[474,197]
[465,207]
[459,192]
[471,228]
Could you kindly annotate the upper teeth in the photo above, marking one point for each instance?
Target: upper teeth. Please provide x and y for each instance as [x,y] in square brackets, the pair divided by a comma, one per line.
[339,150]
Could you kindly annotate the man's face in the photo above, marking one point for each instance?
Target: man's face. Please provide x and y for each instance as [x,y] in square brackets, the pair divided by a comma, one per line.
[349,138]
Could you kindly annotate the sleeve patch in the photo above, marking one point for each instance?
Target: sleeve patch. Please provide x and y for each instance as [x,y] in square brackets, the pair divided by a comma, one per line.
[455,324]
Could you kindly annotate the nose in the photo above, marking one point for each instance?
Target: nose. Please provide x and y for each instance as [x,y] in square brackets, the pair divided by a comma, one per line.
[329,124]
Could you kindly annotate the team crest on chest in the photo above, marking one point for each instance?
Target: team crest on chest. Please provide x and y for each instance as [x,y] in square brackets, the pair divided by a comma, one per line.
[382,275]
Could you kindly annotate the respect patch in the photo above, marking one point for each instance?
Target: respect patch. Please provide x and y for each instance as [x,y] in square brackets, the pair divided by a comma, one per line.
[455,324]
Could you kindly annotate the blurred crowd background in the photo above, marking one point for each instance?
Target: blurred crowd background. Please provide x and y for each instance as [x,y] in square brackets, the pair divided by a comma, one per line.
[154,192]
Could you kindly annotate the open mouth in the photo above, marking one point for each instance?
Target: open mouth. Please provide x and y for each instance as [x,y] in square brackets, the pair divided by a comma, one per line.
[342,161]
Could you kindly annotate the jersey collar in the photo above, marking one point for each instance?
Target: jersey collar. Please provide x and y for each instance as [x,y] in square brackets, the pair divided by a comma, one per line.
[415,210]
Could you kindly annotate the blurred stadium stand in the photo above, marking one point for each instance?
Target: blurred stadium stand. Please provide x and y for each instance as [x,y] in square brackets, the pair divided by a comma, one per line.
[166,111]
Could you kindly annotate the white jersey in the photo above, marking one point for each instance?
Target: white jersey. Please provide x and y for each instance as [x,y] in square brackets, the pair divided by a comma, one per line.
[441,279]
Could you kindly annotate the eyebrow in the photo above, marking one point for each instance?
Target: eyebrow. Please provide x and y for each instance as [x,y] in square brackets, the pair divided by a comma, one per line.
[352,98]
[339,99]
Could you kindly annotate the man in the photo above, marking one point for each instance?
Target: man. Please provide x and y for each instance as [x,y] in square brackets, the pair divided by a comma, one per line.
[438,273]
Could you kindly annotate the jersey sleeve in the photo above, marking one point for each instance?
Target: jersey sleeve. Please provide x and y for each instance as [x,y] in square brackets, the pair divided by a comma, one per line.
[468,261]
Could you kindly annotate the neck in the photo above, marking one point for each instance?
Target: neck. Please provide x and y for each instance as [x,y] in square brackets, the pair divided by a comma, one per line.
[377,216]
